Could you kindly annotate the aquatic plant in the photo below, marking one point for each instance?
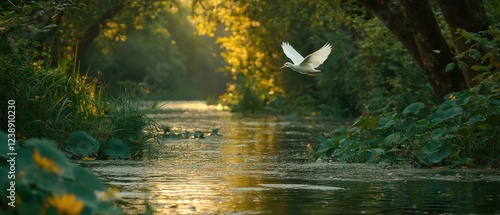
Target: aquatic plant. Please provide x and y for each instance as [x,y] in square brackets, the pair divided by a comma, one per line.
[197,134]
[73,110]
[462,131]
[46,182]
[81,144]
[53,96]
[116,148]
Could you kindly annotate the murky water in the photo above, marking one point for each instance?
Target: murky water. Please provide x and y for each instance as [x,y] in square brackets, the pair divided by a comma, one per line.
[260,166]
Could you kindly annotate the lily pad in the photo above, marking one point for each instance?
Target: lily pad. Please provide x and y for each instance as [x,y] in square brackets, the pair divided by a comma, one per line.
[82,144]
[117,148]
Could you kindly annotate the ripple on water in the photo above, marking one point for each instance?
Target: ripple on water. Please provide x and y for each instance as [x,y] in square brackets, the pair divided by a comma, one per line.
[301,186]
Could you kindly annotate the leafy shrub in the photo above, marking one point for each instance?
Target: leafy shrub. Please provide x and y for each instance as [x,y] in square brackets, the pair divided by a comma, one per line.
[57,106]
[51,94]
[486,42]
[463,130]
[46,182]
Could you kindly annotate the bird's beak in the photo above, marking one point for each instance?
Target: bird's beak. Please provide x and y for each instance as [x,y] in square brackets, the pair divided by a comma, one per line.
[282,67]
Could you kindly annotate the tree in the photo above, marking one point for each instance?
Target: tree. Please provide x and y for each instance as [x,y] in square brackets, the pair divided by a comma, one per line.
[254,30]
[414,24]
[467,15]
[95,28]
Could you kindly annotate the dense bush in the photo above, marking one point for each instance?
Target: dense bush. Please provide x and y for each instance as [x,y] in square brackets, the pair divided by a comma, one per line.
[53,105]
[53,97]
[369,71]
[463,130]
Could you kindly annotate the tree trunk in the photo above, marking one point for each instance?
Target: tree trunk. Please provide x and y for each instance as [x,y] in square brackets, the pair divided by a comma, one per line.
[93,31]
[414,25]
[469,15]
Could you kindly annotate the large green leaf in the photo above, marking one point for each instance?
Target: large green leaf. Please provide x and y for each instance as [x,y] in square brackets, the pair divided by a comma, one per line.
[117,148]
[435,151]
[413,108]
[442,115]
[449,67]
[437,133]
[85,185]
[447,104]
[82,144]
[431,147]
[392,138]
[367,122]
[325,145]
[374,155]
[463,100]
[474,119]
[386,122]
[44,178]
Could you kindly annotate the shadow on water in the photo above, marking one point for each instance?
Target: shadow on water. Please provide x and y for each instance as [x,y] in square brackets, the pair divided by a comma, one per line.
[260,166]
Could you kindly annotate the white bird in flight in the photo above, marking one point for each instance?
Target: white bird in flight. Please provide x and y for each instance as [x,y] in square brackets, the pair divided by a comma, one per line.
[307,65]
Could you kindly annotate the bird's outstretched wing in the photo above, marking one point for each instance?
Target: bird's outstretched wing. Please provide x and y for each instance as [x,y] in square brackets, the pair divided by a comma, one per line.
[291,53]
[318,57]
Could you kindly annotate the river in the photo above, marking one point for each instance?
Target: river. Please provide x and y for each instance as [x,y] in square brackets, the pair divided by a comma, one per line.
[260,165]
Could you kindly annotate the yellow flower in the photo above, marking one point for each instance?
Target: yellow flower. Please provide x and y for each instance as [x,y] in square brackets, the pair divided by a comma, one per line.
[67,204]
[45,163]
[452,97]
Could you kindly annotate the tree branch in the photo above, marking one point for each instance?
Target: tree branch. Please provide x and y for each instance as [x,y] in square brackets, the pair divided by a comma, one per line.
[414,25]
[93,31]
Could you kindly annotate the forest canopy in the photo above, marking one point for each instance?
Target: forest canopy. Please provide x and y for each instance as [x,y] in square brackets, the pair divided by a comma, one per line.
[386,53]
[147,47]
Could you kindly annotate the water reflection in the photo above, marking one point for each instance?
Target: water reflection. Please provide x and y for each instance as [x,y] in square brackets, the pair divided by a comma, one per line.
[259,165]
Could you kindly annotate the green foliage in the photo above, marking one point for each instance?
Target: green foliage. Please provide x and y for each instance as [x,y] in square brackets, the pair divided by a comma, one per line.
[154,52]
[381,75]
[53,97]
[483,42]
[463,130]
[167,133]
[55,105]
[249,101]
[46,181]
[116,148]
[128,121]
[413,108]
[81,144]
[368,71]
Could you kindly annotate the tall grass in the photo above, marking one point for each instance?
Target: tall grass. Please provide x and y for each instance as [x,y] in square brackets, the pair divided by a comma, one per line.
[52,103]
